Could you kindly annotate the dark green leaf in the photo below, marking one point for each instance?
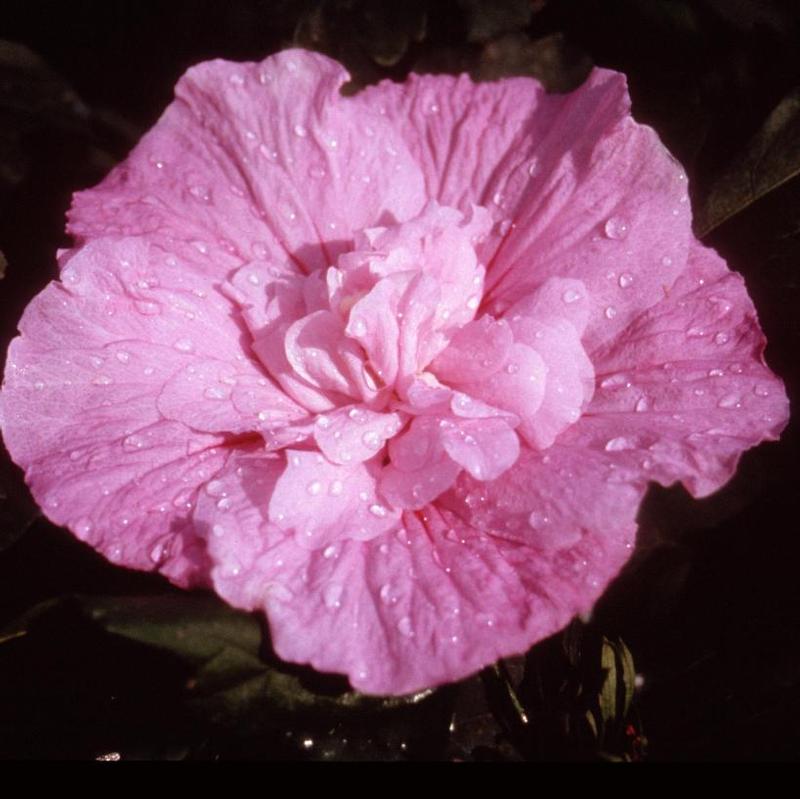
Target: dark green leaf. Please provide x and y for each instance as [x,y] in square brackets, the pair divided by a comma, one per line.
[771,159]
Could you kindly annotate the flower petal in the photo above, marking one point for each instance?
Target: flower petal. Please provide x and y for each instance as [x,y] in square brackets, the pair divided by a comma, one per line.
[425,604]
[685,391]
[325,502]
[264,160]
[578,189]
[353,434]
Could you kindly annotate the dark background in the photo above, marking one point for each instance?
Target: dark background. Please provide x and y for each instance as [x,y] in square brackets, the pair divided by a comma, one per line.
[709,608]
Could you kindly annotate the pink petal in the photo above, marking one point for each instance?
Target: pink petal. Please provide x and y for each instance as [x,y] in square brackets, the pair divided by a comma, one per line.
[685,391]
[310,346]
[477,350]
[419,468]
[578,189]
[426,604]
[325,502]
[484,447]
[353,434]
[262,160]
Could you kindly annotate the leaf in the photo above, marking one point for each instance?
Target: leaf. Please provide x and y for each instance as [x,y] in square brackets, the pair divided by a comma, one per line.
[771,159]
[231,685]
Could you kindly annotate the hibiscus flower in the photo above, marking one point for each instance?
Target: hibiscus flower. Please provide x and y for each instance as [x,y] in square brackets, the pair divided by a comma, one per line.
[394,368]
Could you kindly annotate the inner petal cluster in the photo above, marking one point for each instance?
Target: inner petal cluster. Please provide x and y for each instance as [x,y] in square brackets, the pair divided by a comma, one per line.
[398,383]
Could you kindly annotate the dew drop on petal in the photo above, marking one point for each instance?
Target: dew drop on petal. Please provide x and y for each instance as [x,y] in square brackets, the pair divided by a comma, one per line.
[336,488]
[625,280]
[570,296]
[183,345]
[405,628]
[314,488]
[616,228]
[618,444]
[359,327]
[332,595]
[610,312]
[761,391]
[371,440]
[730,401]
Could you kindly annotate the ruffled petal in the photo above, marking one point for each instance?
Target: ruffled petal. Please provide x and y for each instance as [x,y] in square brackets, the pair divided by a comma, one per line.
[577,188]
[80,404]
[685,391]
[423,605]
[353,434]
[257,160]
[324,502]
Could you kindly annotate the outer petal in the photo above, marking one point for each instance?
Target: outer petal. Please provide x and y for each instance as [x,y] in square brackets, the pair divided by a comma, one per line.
[577,187]
[426,604]
[223,178]
[80,404]
[685,391]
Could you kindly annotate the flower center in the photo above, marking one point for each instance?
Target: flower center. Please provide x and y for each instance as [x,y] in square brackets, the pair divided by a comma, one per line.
[391,370]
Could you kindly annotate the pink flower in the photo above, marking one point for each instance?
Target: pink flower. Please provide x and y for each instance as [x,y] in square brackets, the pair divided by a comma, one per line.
[394,368]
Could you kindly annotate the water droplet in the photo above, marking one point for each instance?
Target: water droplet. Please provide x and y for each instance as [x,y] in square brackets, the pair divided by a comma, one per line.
[473,302]
[615,381]
[570,296]
[300,130]
[641,404]
[317,172]
[215,393]
[224,504]
[336,488]
[715,373]
[730,401]
[721,338]
[666,261]
[183,345]
[330,551]
[372,440]
[102,380]
[377,510]
[359,327]
[201,193]
[497,199]
[405,628]
[695,332]
[332,595]
[122,356]
[38,385]
[625,280]
[132,443]
[761,391]
[619,444]
[537,519]
[314,488]
[610,312]
[236,79]
[357,415]
[616,228]
[82,528]
[512,368]
[215,488]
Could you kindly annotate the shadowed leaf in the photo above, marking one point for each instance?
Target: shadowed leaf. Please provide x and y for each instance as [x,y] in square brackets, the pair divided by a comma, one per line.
[771,159]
